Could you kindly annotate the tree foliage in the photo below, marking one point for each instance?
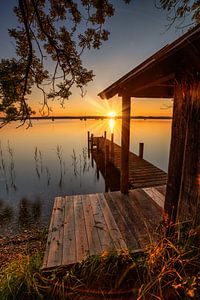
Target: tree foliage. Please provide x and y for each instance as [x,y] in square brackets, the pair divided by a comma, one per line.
[178,10]
[49,31]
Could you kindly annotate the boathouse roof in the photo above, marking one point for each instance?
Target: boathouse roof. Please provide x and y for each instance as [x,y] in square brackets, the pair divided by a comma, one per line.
[154,78]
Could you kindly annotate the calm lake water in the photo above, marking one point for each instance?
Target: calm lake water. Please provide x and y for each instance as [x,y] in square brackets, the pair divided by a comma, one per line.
[51,159]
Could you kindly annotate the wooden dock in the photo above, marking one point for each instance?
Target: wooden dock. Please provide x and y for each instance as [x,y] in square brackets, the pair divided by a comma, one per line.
[141,172]
[84,225]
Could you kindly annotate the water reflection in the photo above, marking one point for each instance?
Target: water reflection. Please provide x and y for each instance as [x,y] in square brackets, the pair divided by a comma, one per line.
[6,213]
[51,159]
[29,213]
[111,125]
[109,172]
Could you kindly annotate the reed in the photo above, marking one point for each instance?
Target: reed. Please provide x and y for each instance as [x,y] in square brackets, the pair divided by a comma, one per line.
[60,159]
[36,157]
[12,166]
[75,163]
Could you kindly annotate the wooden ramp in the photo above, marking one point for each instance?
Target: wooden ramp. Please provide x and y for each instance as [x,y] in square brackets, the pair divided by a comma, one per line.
[141,172]
[84,225]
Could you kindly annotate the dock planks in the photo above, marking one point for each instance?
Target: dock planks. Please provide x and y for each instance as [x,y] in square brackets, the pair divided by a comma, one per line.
[84,225]
[141,172]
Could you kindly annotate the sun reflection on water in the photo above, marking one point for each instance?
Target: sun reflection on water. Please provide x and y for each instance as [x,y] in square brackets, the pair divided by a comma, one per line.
[111,125]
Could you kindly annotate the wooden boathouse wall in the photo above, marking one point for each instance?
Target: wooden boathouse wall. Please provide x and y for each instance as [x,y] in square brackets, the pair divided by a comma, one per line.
[184,163]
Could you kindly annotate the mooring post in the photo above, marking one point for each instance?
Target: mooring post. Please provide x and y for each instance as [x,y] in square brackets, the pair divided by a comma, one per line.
[97,170]
[88,136]
[107,154]
[141,150]
[97,143]
[92,141]
[112,147]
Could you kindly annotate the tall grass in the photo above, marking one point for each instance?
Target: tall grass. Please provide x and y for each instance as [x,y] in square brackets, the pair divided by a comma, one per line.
[167,269]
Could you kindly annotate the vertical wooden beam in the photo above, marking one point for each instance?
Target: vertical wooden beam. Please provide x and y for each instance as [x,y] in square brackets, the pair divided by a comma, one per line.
[88,135]
[107,155]
[177,146]
[125,141]
[97,143]
[189,199]
[112,148]
[92,141]
[141,150]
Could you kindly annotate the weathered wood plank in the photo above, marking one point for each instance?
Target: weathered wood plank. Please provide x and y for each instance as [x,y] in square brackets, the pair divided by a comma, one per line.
[161,189]
[100,224]
[56,244]
[82,246]
[149,211]
[132,219]
[91,229]
[141,172]
[89,224]
[69,241]
[121,221]
[45,260]
[113,229]
[157,197]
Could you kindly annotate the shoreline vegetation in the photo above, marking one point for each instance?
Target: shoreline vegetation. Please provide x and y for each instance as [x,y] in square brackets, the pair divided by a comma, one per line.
[167,269]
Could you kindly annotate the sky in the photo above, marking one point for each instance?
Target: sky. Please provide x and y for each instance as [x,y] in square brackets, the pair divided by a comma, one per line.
[137,31]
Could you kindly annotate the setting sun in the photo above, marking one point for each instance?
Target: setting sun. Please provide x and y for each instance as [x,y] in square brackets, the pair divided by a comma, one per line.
[112,114]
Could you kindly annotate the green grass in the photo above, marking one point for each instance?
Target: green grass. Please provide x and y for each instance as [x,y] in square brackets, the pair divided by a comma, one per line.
[168,269]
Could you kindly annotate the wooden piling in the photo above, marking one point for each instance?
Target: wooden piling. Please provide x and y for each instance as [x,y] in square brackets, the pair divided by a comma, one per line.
[105,134]
[92,141]
[88,134]
[97,143]
[125,140]
[107,154]
[112,148]
[141,150]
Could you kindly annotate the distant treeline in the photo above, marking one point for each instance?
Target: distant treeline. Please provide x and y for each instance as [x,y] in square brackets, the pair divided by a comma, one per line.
[97,117]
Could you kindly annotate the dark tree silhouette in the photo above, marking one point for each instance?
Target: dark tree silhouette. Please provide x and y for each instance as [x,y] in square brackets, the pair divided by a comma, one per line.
[178,10]
[49,31]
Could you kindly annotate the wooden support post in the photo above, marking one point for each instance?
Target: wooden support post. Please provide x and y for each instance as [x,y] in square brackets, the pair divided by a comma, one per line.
[97,143]
[97,173]
[112,137]
[176,154]
[125,140]
[92,141]
[112,148]
[189,198]
[104,134]
[107,154]
[141,150]
[88,134]
[183,186]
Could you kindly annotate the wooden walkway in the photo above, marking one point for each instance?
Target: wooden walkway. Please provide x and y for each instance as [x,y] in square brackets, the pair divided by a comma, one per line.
[141,172]
[84,225]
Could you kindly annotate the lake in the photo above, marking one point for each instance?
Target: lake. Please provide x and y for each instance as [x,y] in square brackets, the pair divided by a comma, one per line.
[51,159]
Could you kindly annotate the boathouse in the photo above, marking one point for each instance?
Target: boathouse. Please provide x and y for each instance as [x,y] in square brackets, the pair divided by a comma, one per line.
[172,72]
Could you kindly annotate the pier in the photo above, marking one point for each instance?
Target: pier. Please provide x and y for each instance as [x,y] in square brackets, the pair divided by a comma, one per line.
[84,225]
[107,156]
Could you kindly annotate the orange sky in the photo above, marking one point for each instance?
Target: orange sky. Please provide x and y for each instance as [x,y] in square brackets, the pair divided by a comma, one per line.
[137,31]
[91,104]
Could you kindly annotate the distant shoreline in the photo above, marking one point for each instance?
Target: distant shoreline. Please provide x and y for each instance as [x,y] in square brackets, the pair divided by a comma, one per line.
[97,118]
